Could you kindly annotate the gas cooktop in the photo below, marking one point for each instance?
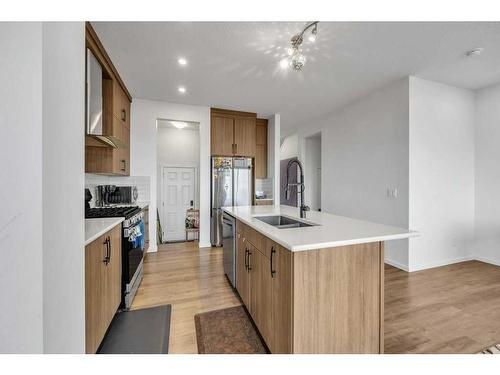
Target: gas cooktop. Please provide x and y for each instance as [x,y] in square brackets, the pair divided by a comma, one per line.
[121,211]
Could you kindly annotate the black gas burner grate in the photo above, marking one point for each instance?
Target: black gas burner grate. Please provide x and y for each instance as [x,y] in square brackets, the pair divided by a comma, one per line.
[100,212]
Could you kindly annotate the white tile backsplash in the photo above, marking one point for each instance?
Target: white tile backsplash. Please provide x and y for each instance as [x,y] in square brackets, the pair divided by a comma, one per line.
[142,182]
[265,185]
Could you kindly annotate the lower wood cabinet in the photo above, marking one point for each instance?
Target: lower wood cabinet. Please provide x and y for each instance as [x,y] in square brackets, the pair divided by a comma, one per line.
[316,301]
[242,273]
[261,295]
[102,286]
[263,281]
[281,300]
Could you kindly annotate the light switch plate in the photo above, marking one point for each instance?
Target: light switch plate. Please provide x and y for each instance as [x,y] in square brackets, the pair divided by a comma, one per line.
[392,192]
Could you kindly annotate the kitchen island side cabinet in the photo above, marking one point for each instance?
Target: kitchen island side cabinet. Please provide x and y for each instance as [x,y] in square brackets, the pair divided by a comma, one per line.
[102,286]
[316,301]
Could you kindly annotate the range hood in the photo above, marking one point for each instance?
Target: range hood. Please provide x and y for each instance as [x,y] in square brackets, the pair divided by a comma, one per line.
[94,104]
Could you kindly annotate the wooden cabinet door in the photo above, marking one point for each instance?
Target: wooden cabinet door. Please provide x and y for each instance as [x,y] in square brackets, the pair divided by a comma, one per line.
[119,110]
[113,270]
[260,161]
[125,109]
[95,275]
[261,149]
[242,282]
[282,300]
[102,286]
[244,136]
[221,135]
[261,294]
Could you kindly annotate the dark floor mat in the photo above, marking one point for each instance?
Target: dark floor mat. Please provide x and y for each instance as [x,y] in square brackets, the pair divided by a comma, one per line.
[144,331]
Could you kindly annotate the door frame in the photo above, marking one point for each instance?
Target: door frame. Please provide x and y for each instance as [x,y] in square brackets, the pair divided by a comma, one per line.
[161,166]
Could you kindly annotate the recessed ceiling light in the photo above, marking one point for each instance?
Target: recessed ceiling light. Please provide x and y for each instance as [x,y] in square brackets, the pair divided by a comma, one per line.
[182,61]
[179,124]
[312,38]
[474,52]
[284,63]
[182,89]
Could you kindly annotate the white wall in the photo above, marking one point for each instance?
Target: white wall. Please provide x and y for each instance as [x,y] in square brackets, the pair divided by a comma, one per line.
[441,161]
[487,175]
[143,153]
[178,146]
[312,172]
[273,154]
[63,187]
[365,152]
[42,229]
[21,188]
[290,147]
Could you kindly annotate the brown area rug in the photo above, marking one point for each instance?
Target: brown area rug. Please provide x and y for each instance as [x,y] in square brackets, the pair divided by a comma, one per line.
[227,331]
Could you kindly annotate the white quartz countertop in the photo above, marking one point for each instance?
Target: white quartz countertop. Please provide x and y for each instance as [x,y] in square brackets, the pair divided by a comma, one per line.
[94,228]
[331,231]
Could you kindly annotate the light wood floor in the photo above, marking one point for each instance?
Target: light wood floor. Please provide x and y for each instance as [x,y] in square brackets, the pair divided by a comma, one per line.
[452,309]
[192,280]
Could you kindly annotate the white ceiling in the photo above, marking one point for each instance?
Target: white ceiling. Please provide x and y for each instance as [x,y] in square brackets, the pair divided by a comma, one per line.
[236,64]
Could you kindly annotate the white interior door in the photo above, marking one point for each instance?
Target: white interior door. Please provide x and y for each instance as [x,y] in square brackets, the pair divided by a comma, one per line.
[178,187]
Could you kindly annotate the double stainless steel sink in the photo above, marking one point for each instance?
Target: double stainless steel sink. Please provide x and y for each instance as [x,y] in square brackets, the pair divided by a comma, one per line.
[283,222]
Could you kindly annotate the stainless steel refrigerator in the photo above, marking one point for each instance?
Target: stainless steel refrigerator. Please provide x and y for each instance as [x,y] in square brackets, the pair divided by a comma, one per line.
[231,186]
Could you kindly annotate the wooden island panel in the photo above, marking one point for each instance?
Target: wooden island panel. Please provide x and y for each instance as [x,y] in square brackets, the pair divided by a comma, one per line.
[337,300]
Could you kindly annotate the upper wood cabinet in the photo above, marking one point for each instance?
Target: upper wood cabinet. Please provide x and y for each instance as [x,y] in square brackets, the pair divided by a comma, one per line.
[261,149]
[244,136]
[222,135]
[99,157]
[233,133]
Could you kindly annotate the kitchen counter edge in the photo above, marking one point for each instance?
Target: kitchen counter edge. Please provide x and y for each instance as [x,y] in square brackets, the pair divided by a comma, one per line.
[94,228]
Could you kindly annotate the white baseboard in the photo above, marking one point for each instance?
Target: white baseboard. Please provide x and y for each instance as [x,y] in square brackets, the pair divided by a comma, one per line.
[441,263]
[397,265]
[208,244]
[488,260]
[153,249]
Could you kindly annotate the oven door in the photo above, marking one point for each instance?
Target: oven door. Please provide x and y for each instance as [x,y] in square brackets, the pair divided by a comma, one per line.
[132,262]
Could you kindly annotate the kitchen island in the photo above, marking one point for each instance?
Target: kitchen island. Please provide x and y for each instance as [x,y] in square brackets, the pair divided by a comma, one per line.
[312,289]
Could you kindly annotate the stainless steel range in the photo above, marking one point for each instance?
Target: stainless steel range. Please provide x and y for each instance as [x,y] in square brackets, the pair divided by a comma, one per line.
[134,232]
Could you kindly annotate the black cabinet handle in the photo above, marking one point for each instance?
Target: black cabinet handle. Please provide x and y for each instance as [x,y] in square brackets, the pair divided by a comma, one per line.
[273,271]
[106,257]
[105,243]
[109,249]
[124,168]
[249,268]
[246,254]
[124,115]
